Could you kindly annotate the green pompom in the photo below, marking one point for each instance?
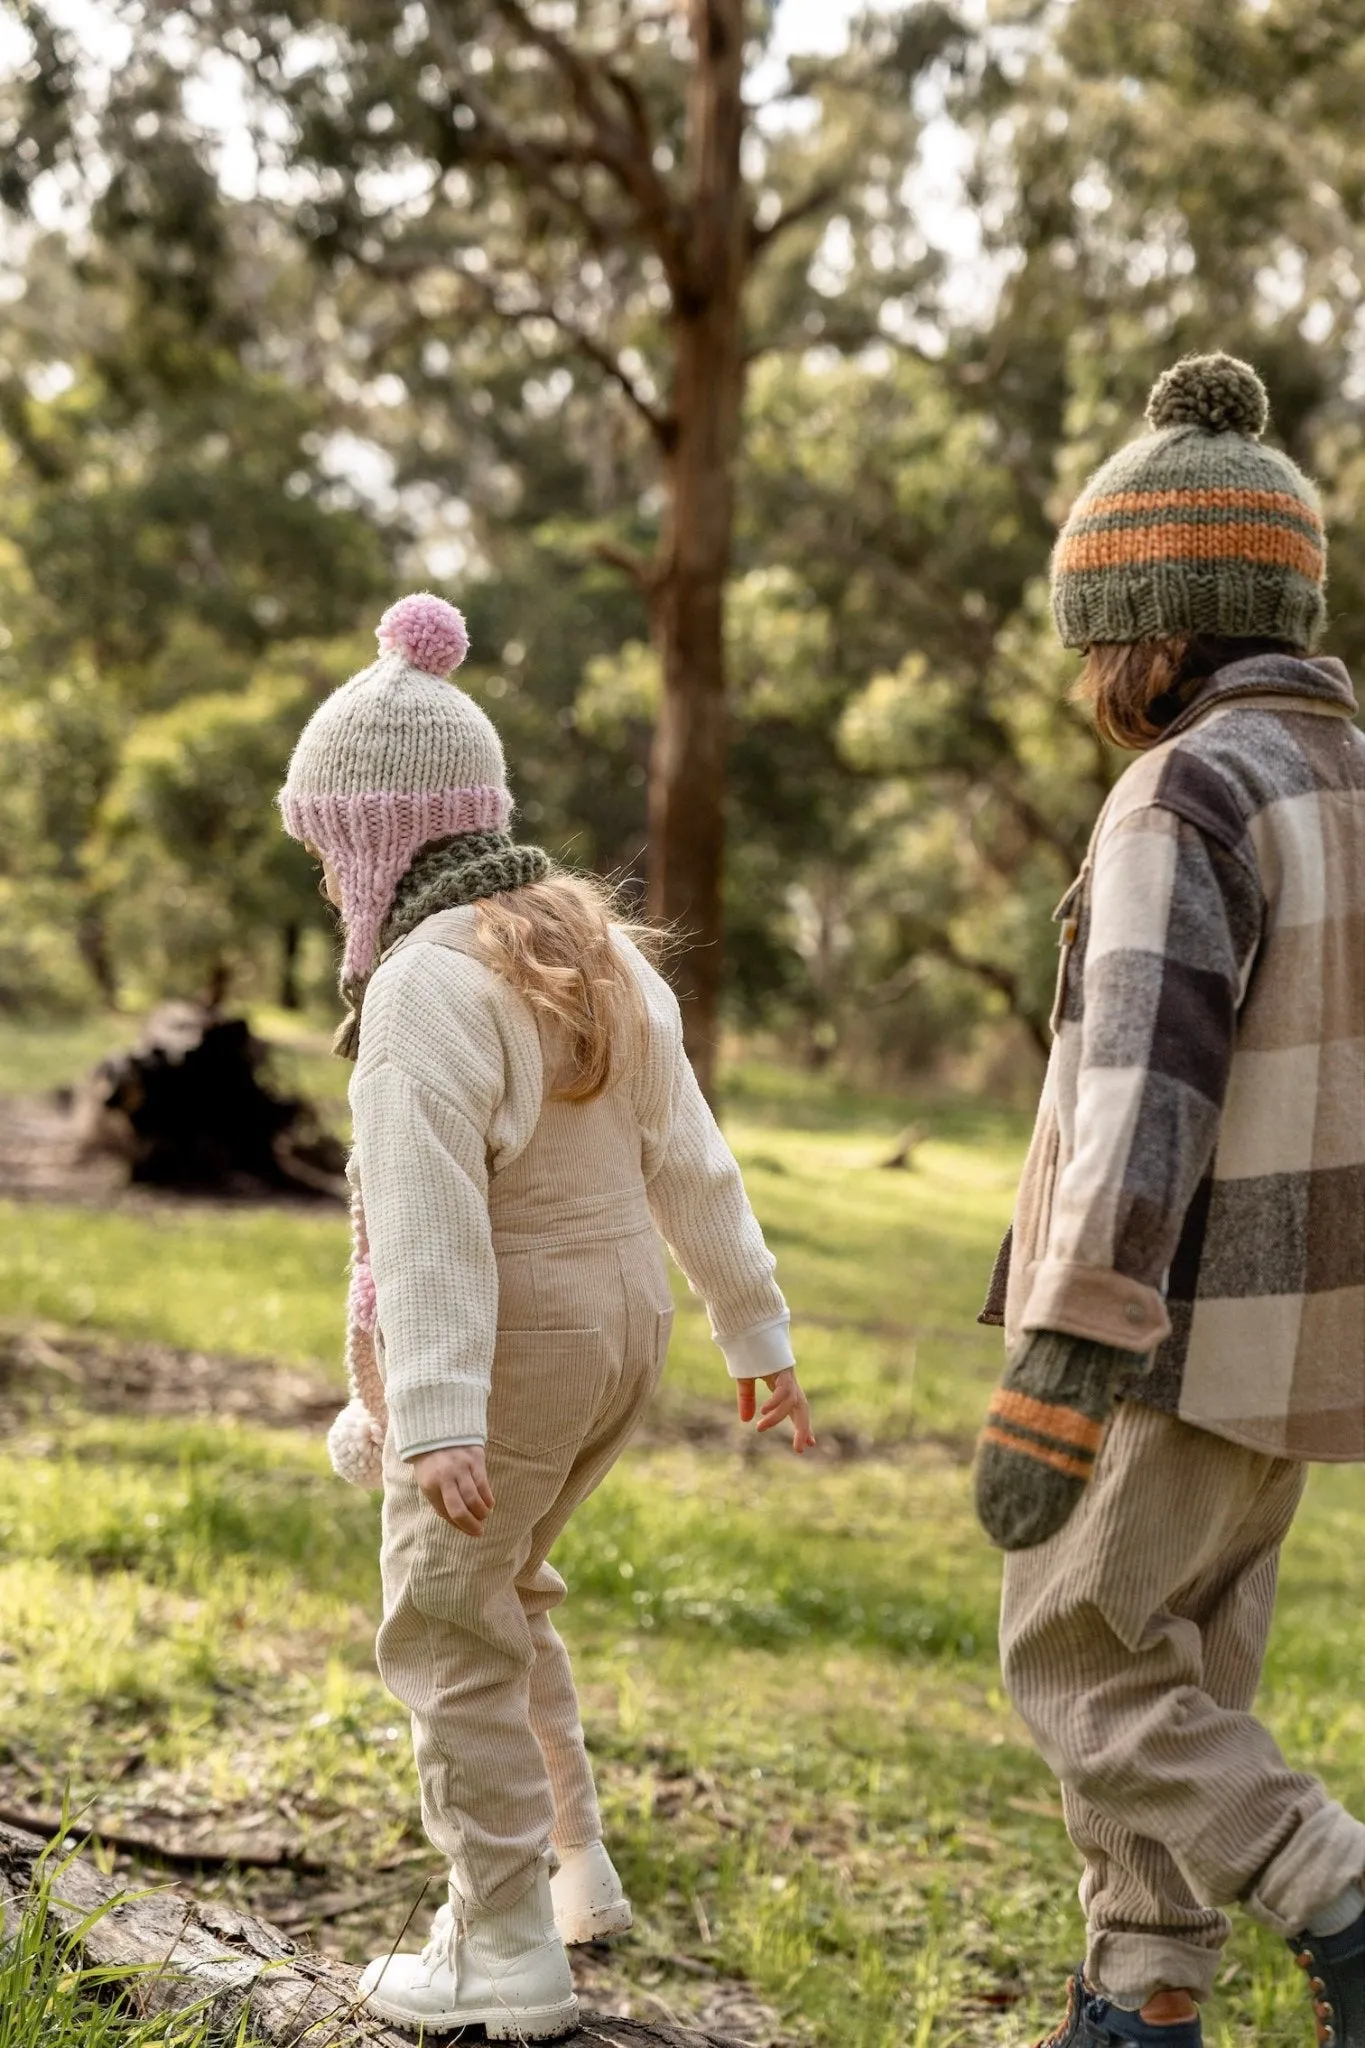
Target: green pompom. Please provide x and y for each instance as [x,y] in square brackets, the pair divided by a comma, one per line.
[1218,393]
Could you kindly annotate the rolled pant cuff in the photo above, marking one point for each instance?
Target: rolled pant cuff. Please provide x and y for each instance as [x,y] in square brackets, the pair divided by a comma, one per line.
[1323,1855]
[1128,1968]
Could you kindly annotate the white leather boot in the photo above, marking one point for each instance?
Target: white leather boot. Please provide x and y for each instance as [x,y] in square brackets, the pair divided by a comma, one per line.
[505,1972]
[589,1901]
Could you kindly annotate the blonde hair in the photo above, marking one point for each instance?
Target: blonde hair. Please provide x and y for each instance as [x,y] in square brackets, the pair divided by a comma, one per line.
[1137,688]
[553,942]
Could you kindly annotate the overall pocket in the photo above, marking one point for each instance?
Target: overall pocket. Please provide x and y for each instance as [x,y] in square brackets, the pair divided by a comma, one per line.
[548,1386]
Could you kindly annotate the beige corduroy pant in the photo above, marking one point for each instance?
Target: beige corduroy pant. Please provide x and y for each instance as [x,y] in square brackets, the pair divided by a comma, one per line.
[466,1642]
[1132,1645]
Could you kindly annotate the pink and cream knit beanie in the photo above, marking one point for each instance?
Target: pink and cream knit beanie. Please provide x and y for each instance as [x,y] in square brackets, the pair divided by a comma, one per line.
[395,758]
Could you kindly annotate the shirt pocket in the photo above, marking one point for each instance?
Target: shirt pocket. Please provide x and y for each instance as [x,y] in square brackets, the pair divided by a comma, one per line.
[548,1388]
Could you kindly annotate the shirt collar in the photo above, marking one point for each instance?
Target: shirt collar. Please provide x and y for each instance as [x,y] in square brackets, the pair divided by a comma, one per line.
[1322,679]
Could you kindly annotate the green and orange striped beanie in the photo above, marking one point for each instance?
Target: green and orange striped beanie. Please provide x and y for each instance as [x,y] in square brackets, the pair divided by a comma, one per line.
[1195,527]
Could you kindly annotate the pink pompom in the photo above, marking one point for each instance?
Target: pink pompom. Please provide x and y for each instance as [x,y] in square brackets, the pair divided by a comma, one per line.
[426,631]
[364,1304]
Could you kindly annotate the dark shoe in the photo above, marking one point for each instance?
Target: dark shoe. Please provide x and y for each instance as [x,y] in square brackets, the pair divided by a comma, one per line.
[1336,1977]
[1092,2022]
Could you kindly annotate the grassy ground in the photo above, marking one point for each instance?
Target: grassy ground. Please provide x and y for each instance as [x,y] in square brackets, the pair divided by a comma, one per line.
[832,1826]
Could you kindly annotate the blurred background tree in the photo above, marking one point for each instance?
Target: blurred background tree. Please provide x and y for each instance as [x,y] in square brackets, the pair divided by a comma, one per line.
[735,395]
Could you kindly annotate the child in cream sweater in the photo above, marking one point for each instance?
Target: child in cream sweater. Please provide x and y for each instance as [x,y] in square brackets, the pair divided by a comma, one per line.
[527,1128]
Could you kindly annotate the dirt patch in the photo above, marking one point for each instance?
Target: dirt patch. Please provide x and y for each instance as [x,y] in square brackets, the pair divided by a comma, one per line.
[42,1368]
[44,1154]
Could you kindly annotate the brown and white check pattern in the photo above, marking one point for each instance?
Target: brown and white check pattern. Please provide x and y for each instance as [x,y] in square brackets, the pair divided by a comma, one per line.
[1196,1182]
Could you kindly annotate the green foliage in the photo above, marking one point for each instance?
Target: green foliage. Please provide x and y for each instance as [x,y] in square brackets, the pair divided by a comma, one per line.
[910,789]
[168,518]
[187,844]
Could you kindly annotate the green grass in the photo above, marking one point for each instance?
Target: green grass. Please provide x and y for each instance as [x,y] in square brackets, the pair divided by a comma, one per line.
[50,1997]
[885,1270]
[810,1775]
[37,1057]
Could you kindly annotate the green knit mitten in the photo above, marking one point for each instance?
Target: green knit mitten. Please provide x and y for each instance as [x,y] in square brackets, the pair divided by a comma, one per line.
[1037,1450]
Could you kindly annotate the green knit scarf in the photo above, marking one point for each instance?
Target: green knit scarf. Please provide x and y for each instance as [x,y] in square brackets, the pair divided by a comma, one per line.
[446,873]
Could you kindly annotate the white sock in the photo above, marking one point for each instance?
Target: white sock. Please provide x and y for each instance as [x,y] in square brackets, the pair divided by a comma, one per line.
[1339,1913]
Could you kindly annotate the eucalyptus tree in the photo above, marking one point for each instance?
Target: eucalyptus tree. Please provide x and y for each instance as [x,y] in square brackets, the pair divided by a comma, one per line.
[623,201]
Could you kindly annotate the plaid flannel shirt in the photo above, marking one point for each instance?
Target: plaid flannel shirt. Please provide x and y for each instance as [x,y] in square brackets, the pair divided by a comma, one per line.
[1196,1181]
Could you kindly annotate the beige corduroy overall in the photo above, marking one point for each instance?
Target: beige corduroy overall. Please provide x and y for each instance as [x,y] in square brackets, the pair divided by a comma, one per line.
[466,1643]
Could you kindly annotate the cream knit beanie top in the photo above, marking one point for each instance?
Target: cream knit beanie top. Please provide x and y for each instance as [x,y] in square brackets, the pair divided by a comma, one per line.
[393,759]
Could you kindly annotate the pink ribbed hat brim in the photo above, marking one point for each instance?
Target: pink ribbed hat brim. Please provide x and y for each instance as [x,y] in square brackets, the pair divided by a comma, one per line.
[370,840]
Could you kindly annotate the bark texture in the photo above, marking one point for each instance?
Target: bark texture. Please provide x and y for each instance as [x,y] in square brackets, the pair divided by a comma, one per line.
[687,778]
[700,232]
[191,1953]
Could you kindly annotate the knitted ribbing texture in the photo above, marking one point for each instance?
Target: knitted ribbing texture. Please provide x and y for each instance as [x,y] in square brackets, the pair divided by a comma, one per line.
[392,760]
[1042,1434]
[446,1094]
[1195,527]
[464,868]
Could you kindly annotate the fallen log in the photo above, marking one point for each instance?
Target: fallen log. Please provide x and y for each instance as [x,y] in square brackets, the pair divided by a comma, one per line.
[254,1852]
[204,1955]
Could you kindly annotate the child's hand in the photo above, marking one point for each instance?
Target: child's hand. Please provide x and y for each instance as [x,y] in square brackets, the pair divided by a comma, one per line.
[455,1481]
[787,1403]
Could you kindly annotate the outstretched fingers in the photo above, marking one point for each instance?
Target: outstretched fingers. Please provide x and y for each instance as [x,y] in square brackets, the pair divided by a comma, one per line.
[788,1403]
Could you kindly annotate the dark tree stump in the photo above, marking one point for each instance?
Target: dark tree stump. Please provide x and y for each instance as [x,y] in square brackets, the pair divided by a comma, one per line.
[188,1953]
[190,1108]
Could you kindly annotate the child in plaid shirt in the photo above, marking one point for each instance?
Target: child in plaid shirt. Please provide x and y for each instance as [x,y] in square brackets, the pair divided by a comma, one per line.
[1183,1290]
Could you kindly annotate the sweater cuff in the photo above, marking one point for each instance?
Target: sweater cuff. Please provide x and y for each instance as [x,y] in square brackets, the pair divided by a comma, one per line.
[757,1353]
[458,1443]
[1096,1302]
[441,1412]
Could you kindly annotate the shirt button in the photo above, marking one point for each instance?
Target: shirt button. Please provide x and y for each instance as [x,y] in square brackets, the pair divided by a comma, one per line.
[1135,1312]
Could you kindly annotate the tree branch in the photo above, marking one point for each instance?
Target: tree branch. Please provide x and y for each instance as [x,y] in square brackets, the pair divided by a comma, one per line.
[401,266]
[819,196]
[938,942]
[645,574]
[624,149]
[662,425]
[1068,850]
[537,162]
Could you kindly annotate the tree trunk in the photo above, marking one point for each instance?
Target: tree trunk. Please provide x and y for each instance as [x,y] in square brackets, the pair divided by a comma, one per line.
[687,771]
[92,942]
[290,937]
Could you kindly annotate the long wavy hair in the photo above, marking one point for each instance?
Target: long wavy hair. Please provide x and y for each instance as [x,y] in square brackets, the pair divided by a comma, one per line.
[553,942]
[1136,690]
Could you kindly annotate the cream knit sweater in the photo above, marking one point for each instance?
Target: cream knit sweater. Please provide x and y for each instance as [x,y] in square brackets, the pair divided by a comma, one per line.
[446,1093]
